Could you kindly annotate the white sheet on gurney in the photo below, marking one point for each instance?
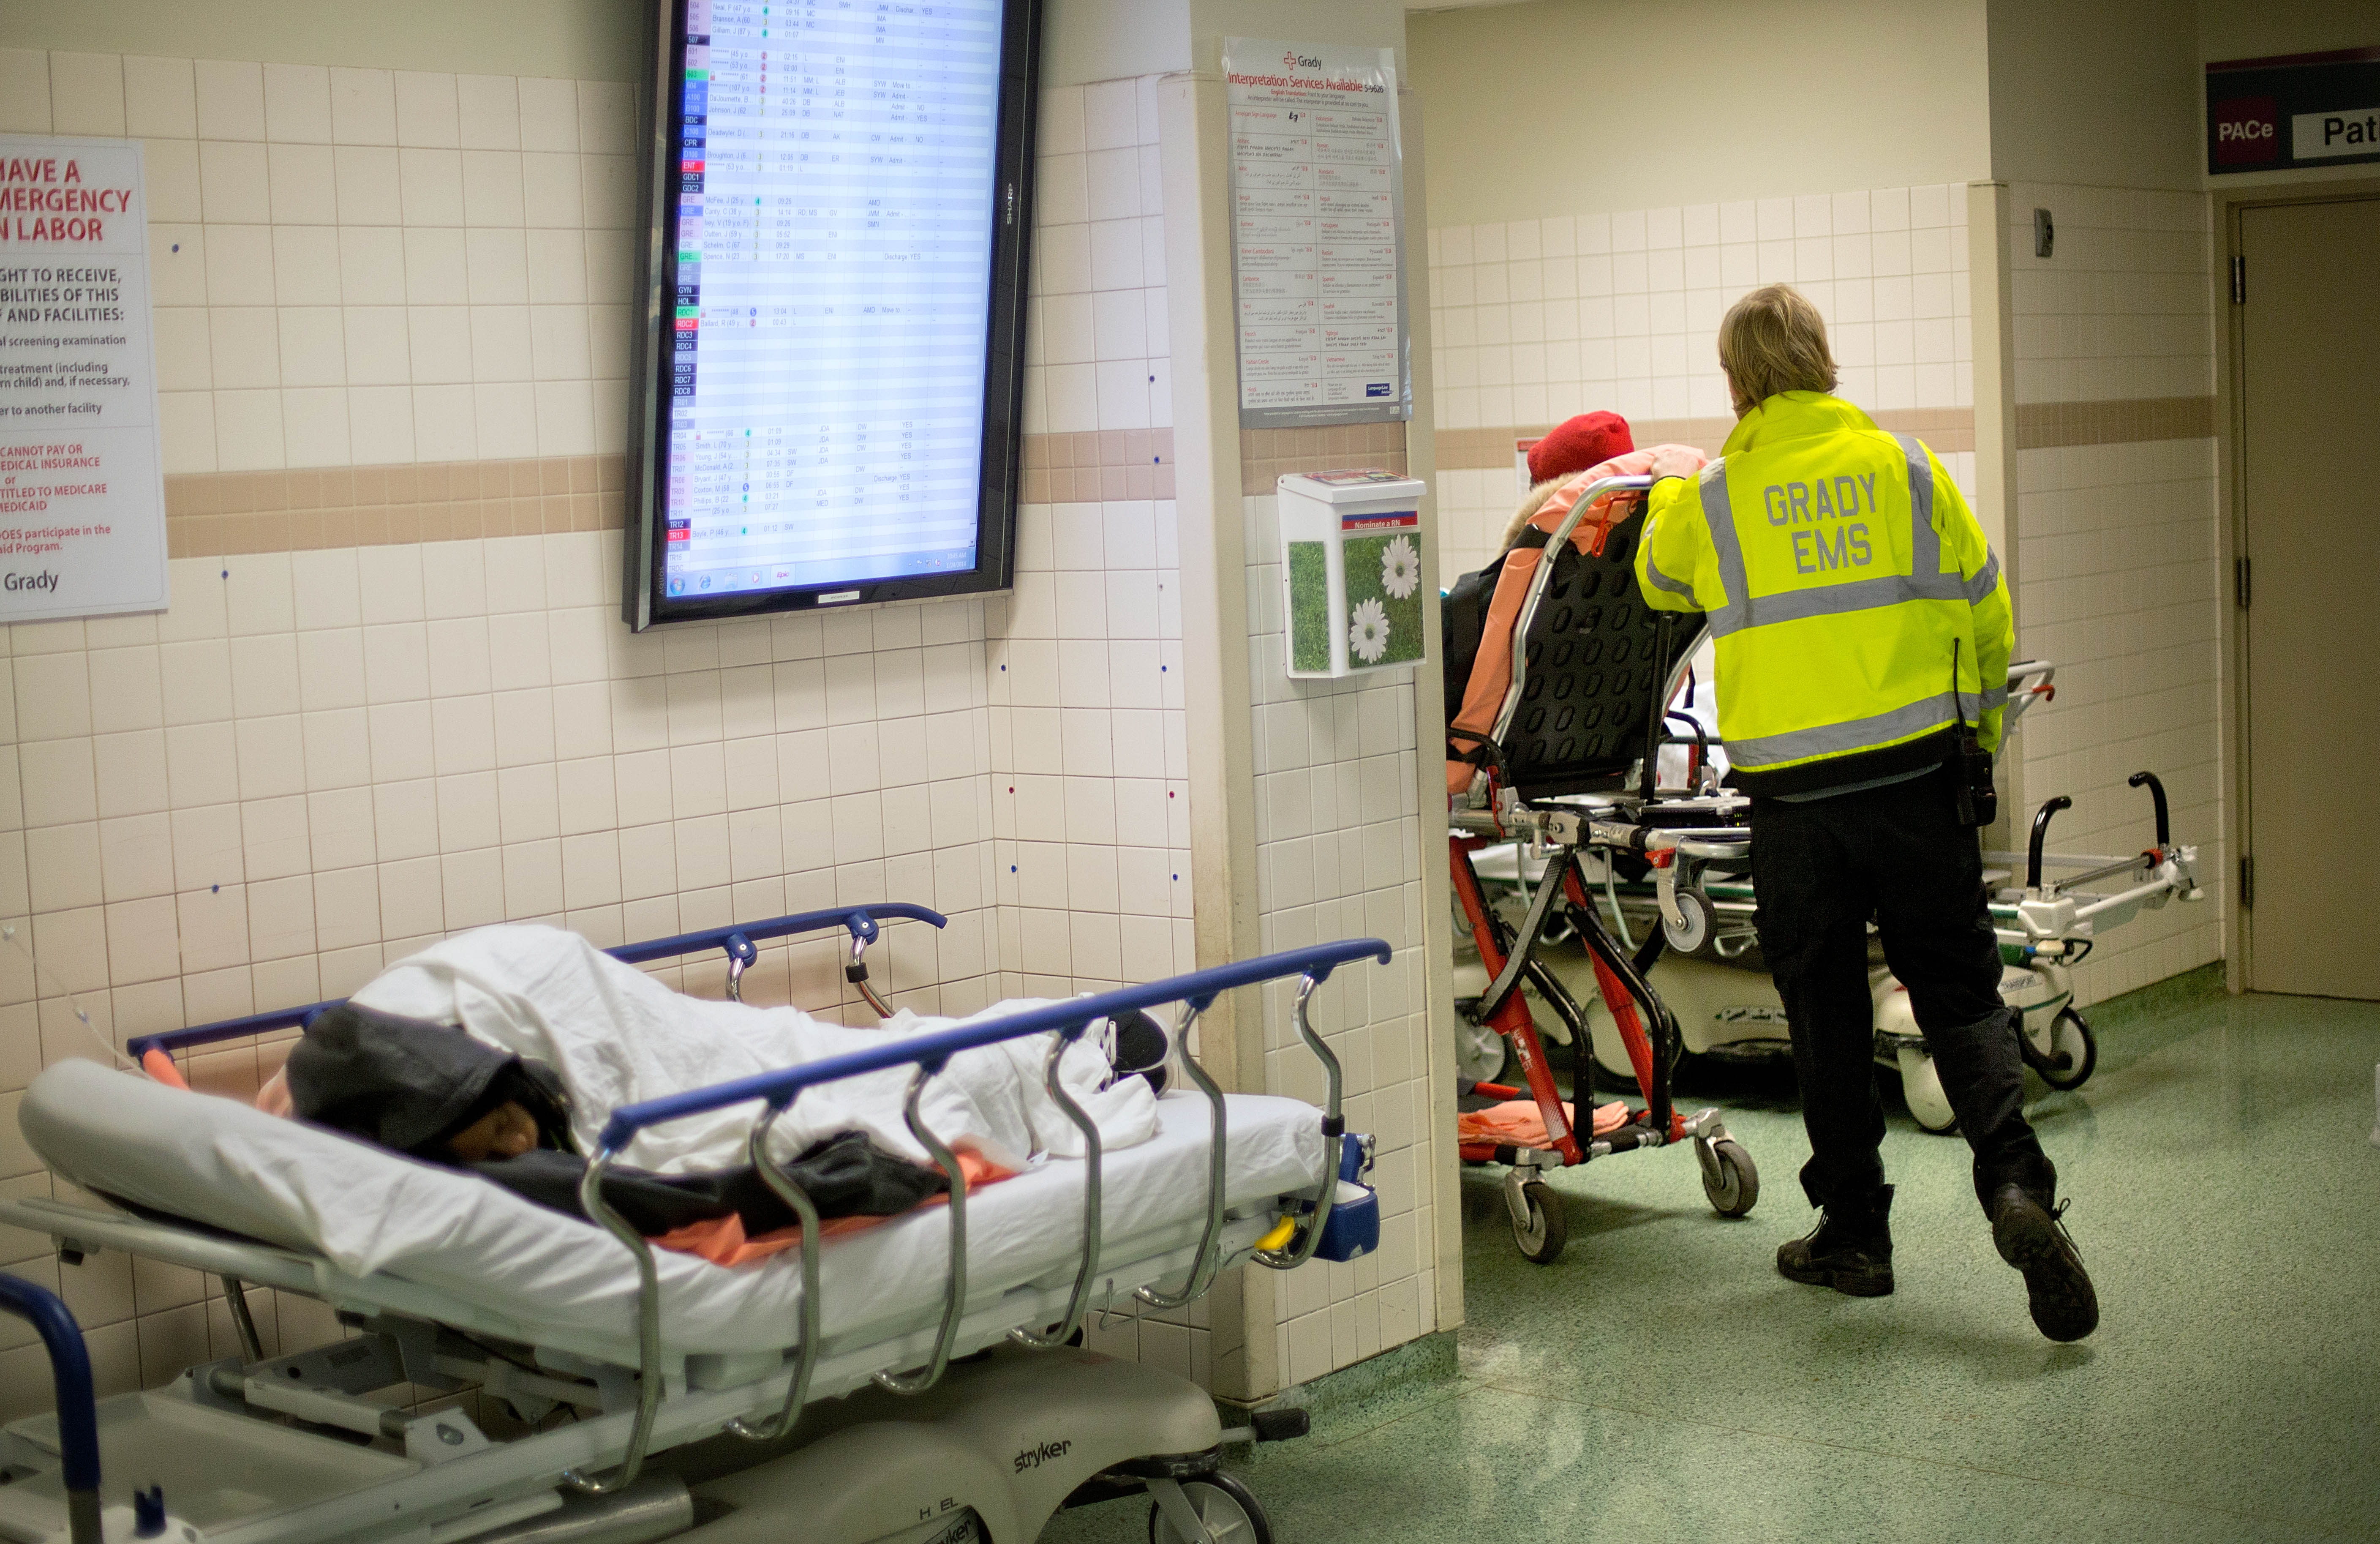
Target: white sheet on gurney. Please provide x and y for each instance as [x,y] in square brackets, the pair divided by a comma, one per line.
[616,1035]
[218,1161]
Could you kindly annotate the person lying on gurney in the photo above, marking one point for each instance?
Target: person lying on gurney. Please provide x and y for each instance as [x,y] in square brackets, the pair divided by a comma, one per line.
[481,1053]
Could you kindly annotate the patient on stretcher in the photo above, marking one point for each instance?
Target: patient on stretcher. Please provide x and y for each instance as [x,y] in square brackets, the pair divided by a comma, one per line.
[503,1050]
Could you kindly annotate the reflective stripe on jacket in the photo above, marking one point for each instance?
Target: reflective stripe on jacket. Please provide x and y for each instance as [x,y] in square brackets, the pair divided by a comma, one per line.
[1842,571]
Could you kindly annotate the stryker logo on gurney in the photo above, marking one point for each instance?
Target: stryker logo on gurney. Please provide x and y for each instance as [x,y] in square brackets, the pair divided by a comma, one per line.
[1048,1453]
[1844,546]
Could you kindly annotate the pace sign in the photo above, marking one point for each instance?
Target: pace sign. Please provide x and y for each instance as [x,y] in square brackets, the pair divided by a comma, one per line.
[2299,110]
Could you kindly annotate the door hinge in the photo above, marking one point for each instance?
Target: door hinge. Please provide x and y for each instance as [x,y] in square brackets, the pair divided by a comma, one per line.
[2240,583]
[2239,278]
[2247,882]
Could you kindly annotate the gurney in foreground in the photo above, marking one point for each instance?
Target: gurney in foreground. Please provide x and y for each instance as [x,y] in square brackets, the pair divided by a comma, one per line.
[687,1384]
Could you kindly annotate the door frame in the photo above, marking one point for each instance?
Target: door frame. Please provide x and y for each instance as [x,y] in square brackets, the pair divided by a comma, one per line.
[2230,491]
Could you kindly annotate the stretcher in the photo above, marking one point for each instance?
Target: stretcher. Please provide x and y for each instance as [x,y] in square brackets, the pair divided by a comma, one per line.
[1570,766]
[1714,979]
[918,1381]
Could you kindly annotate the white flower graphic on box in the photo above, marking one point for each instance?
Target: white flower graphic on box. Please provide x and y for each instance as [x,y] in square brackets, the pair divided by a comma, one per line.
[1400,567]
[1368,631]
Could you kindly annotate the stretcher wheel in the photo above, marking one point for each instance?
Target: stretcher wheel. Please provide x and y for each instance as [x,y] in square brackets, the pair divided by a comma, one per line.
[1481,1053]
[1694,929]
[1921,1085]
[2070,1035]
[1231,1511]
[1541,1241]
[1735,1190]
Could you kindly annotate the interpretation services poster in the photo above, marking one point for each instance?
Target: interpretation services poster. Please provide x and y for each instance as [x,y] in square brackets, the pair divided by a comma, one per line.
[1318,202]
[82,494]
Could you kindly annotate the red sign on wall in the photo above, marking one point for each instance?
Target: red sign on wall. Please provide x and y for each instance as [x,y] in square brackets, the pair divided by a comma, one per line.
[2247,130]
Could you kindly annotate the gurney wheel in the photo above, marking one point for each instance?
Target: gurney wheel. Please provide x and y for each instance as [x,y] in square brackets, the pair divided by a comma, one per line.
[1549,1228]
[1231,1511]
[1921,1085]
[1738,1188]
[1694,929]
[1481,1053]
[2069,1033]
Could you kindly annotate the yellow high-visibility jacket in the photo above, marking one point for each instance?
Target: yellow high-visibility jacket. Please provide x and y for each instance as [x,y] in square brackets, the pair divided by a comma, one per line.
[1840,571]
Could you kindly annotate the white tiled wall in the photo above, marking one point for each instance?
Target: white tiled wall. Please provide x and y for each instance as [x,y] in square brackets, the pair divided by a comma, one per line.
[316,761]
[1090,793]
[2120,563]
[1537,320]
[367,266]
[1097,359]
[2120,308]
[1337,850]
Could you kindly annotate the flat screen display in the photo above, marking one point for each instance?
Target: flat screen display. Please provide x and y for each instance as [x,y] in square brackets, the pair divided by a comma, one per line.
[834,341]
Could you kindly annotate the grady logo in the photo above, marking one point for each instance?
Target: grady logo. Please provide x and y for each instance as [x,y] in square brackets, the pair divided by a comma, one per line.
[1292,59]
[1048,1453]
[45,579]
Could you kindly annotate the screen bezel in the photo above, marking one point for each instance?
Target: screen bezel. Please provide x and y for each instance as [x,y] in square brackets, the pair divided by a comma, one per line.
[644,603]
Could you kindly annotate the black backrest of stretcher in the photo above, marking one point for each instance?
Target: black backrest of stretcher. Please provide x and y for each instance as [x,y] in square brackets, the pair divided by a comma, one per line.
[1592,679]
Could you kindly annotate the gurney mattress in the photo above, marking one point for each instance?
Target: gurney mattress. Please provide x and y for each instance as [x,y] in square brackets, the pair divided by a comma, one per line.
[220,1163]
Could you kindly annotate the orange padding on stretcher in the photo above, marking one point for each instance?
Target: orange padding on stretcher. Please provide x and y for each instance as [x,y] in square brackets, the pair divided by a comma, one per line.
[721,1240]
[1519,1124]
[1491,668]
[159,1065]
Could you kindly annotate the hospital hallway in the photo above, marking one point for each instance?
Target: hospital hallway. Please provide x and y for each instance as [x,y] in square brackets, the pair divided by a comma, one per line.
[1661,1379]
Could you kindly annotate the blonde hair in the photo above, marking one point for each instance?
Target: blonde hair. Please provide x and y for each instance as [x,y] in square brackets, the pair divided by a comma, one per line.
[1774,340]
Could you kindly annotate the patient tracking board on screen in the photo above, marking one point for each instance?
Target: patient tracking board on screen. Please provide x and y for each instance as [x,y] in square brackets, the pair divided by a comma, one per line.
[828,326]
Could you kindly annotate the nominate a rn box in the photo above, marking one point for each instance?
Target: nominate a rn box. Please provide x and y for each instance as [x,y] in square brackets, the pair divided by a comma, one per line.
[1351,547]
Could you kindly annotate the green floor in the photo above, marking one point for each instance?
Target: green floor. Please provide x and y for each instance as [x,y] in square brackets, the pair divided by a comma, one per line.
[1660,1381]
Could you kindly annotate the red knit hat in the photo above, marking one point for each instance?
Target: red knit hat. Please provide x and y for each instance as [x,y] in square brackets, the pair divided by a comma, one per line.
[1588,440]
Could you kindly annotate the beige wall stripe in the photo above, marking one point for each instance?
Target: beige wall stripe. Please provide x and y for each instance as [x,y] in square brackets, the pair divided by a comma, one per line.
[2047,425]
[223,514]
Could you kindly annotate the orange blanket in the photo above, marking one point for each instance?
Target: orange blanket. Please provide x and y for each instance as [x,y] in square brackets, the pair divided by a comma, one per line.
[1520,1123]
[722,1240]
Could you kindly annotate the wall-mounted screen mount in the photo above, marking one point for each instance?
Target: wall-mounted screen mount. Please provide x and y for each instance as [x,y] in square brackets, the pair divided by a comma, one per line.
[831,388]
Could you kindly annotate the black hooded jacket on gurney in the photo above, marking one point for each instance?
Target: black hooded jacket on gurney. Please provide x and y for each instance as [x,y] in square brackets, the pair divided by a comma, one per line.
[433,1093]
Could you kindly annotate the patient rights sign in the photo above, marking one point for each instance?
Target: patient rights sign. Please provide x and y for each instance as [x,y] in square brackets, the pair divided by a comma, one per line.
[82,494]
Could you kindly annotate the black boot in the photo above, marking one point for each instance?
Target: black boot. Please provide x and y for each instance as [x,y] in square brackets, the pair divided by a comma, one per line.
[1849,1250]
[2026,1230]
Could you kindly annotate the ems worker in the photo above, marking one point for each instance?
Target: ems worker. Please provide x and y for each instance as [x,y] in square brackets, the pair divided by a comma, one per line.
[1863,632]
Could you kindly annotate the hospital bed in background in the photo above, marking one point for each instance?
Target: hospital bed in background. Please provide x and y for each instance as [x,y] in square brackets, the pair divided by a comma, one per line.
[916,1380]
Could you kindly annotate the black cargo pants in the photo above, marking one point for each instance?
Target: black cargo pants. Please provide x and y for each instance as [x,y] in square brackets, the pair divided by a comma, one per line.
[1820,870]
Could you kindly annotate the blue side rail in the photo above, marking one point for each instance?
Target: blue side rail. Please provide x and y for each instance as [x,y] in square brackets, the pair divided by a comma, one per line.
[929,1053]
[740,943]
[77,1411]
